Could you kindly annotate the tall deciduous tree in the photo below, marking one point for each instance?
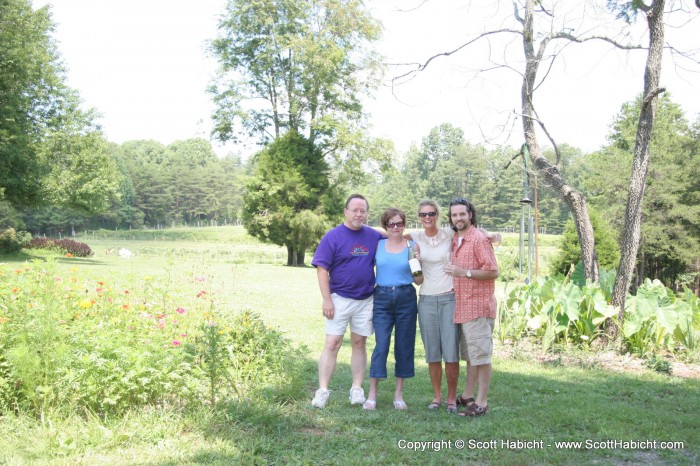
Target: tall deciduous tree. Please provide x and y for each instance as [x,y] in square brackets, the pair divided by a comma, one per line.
[654,13]
[50,150]
[297,66]
[292,65]
[30,90]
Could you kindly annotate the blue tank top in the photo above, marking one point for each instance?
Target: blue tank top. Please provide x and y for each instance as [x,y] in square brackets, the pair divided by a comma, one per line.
[392,269]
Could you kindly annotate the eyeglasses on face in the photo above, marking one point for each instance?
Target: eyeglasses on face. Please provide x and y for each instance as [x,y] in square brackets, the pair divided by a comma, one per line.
[358,211]
[394,225]
[427,214]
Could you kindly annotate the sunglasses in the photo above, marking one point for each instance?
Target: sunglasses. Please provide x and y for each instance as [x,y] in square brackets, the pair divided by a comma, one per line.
[459,200]
[427,214]
[394,224]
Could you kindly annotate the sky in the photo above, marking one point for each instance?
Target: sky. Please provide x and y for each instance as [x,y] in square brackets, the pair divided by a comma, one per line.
[143,65]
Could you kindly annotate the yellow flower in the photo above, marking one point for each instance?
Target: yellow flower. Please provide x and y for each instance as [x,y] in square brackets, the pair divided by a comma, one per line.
[85,304]
[148,278]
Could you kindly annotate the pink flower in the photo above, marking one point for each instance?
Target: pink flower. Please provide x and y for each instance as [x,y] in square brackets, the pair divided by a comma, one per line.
[176,342]
[180,310]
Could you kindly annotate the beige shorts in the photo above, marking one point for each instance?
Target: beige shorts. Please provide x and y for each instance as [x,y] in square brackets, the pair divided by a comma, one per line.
[356,312]
[476,340]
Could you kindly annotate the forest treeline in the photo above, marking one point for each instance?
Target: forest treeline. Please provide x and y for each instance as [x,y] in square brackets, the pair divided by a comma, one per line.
[185,183]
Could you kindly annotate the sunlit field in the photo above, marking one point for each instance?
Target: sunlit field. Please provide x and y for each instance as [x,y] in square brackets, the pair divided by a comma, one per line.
[157,305]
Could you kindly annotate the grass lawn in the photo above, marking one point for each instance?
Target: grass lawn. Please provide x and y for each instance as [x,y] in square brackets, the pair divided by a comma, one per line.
[533,405]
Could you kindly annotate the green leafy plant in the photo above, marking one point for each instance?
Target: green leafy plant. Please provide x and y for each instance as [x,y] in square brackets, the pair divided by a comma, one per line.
[656,319]
[658,363]
[70,342]
[12,241]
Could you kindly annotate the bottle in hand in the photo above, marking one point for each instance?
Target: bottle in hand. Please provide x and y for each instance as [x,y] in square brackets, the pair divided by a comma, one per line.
[413,262]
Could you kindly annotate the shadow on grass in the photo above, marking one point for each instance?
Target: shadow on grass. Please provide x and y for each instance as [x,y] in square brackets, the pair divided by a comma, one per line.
[529,402]
[19,257]
[23,257]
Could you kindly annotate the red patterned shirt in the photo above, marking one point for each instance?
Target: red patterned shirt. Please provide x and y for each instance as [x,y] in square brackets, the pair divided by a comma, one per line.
[474,298]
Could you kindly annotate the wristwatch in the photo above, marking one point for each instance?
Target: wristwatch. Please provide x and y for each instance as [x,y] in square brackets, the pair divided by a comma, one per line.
[469,273]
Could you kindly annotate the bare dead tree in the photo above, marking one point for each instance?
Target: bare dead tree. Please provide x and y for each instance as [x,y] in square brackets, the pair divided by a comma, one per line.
[640,163]
[535,45]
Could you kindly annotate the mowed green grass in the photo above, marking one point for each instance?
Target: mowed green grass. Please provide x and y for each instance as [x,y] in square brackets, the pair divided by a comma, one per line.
[537,402]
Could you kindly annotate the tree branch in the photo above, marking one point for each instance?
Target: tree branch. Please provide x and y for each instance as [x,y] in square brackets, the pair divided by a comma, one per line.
[421,67]
[653,94]
[566,35]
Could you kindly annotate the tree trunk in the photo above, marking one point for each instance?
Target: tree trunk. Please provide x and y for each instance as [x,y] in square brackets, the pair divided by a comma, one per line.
[633,214]
[574,199]
[295,258]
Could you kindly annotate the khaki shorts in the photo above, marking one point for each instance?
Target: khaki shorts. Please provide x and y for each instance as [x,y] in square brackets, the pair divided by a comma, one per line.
[476,340]
[356,312]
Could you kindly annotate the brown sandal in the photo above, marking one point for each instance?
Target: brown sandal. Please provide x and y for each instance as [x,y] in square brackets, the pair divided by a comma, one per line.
[474,410]
[461,401]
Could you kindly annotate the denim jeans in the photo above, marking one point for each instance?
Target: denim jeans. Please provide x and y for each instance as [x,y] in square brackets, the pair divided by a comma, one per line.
[395,308]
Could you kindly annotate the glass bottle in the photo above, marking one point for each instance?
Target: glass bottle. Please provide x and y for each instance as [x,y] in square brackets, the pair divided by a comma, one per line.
[413,262]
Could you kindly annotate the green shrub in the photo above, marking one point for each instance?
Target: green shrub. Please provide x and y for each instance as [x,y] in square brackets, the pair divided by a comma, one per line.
[12,241]
[242,355]
[66,246]
[570,249]
[658,363]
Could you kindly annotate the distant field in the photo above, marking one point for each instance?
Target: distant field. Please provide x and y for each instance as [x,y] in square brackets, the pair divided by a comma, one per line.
[233,245]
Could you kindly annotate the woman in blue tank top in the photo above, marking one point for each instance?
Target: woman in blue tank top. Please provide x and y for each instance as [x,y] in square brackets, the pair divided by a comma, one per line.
[395,309]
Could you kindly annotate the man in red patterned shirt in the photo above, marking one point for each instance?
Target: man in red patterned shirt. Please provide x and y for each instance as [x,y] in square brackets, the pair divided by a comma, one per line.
[474,268]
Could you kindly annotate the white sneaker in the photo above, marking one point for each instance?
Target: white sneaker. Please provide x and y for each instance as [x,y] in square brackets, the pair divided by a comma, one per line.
[357,396]
[321,398]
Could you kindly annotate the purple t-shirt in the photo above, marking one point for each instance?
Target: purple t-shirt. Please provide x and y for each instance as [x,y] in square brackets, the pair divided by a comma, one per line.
[348,255]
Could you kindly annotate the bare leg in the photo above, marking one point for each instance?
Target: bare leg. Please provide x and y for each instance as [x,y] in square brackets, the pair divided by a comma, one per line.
[398,394]
[358,359]
[373,387]
[329,356]
[470,384]
[452,376]
[435,369]
[484,376]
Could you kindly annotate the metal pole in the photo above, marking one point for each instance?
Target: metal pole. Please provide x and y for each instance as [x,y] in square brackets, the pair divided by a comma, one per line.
[530,245]
[537,231]
[522,238]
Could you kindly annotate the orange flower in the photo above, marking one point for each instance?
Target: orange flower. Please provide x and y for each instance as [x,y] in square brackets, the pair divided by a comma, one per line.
[68,254]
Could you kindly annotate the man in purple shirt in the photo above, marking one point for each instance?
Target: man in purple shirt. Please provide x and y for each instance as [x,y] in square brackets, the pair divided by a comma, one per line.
[344,262]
